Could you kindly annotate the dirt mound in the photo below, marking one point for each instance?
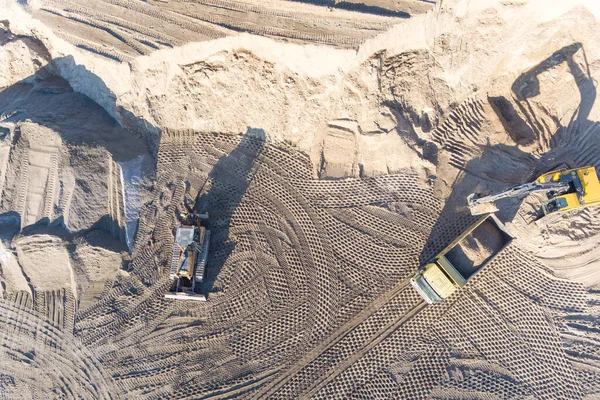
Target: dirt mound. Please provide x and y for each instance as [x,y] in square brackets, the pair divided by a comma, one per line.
[45,261]
[476,248]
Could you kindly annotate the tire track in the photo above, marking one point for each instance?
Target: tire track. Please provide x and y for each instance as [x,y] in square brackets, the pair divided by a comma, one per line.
[373,23]
[387,331]
[336,337]
[120,22]
[95,48]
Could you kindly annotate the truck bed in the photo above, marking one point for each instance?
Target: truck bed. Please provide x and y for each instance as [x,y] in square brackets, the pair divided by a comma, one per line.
[477,248]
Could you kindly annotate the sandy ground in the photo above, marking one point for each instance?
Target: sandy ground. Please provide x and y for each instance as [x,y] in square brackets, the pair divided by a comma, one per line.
[333,145]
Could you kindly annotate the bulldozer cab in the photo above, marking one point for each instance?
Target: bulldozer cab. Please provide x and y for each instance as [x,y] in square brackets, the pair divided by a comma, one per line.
[184,236]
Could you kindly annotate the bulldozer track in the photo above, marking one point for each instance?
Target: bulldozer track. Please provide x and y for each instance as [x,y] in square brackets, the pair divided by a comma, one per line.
[235,25]
[51,187]
[120,22]
[372,23]
[296,308]
[4,157]
[284,282]
[460,132]
[95,48]
[168,16]
[23,299]
[23,185]
[241,389]
[61,360]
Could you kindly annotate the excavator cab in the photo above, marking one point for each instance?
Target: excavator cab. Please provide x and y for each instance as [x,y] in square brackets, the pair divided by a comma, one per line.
[554,205]
[567,189]
[584,190]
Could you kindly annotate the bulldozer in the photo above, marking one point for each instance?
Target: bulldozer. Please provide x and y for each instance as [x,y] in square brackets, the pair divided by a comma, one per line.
[566,189]
[188,260]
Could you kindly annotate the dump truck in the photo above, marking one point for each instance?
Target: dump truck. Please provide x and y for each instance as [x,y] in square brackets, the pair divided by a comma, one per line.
[566,189]
[188,260]
[461,260]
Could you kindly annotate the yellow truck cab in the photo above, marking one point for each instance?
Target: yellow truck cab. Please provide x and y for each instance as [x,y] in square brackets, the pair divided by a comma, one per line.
[584,189]
[464,257]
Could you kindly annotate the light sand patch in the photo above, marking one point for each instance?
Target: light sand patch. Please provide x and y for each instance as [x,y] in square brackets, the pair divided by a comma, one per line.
[45,262]
[12,272]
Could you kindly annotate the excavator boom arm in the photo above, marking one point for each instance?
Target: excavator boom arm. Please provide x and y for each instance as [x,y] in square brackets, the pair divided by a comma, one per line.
[518,191]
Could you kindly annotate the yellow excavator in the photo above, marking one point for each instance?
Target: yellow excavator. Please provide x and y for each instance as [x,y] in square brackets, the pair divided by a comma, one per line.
[567,189]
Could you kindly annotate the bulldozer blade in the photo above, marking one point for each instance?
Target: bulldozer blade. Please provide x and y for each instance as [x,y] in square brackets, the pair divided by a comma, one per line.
[185,296]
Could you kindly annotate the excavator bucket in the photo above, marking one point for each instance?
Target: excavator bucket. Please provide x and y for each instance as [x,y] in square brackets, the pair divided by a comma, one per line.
[480,208]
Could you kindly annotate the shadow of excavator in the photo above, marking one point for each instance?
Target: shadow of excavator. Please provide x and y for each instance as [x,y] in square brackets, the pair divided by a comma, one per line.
[527,86]
[520,166]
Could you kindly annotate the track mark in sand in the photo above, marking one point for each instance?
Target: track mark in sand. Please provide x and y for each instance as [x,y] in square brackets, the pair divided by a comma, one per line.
[295,15]
[95,48]
[51,187]
[59,307]
[54,306]
[231,23]
[143,30]
[238,390]
[23,185]
[170,17]
[337,336]
[280,291]
[4,157]
[22,298]
[115,203]
[381,336]
[47,360]
[135,27]
[459,133]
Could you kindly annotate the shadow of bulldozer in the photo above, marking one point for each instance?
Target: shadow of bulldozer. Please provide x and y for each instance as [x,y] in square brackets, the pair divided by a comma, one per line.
[222,194]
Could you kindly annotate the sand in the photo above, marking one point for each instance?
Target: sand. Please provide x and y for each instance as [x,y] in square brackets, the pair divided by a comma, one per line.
[477,248]
[333,145]
[45,262]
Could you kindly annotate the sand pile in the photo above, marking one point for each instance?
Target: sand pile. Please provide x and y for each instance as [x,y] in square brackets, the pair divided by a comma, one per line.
[60,174]
[97,259]
[13,279]
[45,261]
[476,248]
